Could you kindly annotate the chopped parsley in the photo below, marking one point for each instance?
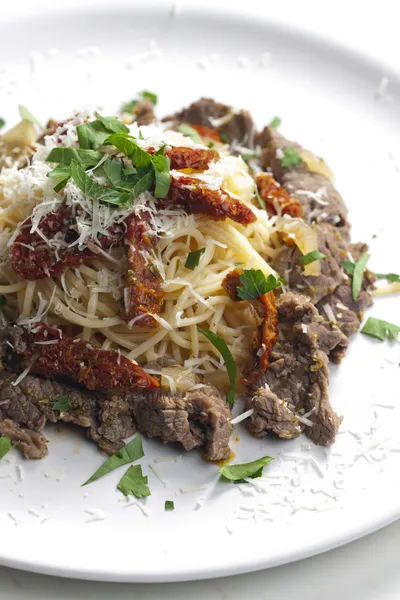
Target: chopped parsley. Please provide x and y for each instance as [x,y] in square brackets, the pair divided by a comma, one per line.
[380,329]
[311,257]
[224,137]
[226,354]
[211,144]
[61,404]
[93,134]
[125,455]
[190,132]
[193,258]
[26,115]
[259,199]
[2,123]
[5,445]
[169,505]
[392,277]
[255,284]
[161,165]
[291,158]
[276,121]
[134,483]
[251,470]
[356,271]
[129,107]
[94,190]
[250,155]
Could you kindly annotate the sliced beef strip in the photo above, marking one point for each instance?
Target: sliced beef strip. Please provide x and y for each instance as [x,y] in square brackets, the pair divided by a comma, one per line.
[28,405]
[198,418]
[348,312]
[331,243]
[298,376]
[320,200]
[240,128]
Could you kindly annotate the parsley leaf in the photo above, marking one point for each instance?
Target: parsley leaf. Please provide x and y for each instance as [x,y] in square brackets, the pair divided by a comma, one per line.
[192,133]
[92,189]
[193,258]
[250,155]
[311,257]
[224,137]
[149,96]
[169,505]
[25,114]
[95,133]
[2,123]
[5,445]
[61,404]
[392,277]
[291,158]
[161,166]
[64,156]
[380,329]
[255,284]
[226,354]
[259,199]
[237,473]
[128,453]
[276,121]
[126,144]
[134,483]
[356,271]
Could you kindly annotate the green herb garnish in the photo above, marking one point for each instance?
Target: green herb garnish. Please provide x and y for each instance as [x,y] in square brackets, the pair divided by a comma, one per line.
[2,123]
[26,115]
[251,470]
[276,121]
[380,329]
[5,445]
[291,158]
[193,258]
[356,271]
[229,361]
[161,165]
[392,277]
[190,132]
[93,134]
[255,284]
[311,257]
[259,199]
[134,483]
[64,156]
[249,156]
[169,505]
[224,137]
[211,144]
[61,404]
[125,455]
[94,190]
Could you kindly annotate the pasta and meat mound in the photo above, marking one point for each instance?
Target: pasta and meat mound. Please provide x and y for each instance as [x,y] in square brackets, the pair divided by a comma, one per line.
[156,268]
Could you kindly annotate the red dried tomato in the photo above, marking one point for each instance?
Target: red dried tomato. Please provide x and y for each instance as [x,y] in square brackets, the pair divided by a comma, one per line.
[276,198]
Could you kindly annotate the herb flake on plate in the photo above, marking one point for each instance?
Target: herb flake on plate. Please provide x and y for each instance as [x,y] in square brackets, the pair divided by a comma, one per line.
[251,470]
[380,329]
[61,404]
[169,505]
[190,132]
[356,271]
[275,122]
[291,158]
[392,277]
[134,483]
[125,455]
[5,445]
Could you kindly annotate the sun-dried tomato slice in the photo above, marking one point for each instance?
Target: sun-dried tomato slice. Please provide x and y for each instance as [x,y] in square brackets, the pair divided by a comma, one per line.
[265,307]
[195,196]
[207,133]
[94,368]
[198,159]
[277,199]
[33,258]
[145,296]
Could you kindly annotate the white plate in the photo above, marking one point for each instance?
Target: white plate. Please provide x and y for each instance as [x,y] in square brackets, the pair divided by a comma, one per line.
[313,498]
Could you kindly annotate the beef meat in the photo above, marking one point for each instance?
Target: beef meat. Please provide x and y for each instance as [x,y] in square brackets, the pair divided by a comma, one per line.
[198,418]
[240,128]
[25,408]
[331,243]
[320,200]
[143,112]
[296,381]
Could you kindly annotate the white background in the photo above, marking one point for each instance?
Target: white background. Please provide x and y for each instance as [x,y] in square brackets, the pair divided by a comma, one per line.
[366,569]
